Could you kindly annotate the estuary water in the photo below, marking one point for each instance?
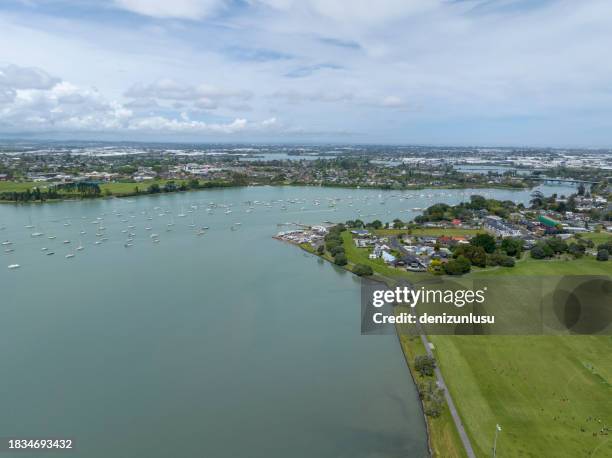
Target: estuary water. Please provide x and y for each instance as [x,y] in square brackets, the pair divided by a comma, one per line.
[200,335]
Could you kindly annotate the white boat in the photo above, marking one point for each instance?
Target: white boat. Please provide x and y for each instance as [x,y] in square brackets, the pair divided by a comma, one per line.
[153,236]
[7,242]
[9,250]
[51,237]
[44,248]
[80,247]
[69,255]
[66,242]
[14,266]
[50,253]
[37,234]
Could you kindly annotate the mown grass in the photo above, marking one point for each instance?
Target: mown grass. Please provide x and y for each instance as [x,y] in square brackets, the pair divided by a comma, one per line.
[20,186]
[444,440]
[551,394]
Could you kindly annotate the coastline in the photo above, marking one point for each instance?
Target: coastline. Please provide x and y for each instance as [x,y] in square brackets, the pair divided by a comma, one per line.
[438,436]
[230,185]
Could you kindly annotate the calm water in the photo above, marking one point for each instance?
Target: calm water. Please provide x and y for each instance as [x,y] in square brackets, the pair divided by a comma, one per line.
[228,344]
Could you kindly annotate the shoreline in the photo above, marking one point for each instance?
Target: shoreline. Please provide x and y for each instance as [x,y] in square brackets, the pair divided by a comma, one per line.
[204,188]
[428,427]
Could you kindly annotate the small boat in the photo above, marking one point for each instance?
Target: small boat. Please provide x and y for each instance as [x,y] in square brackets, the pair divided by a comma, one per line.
[9,250]
[97,242]
[50,253]
[14,266]
[37,234]
[153,236]
[52,237]
[44,248]
[69,255]
[128,244]
[66,242]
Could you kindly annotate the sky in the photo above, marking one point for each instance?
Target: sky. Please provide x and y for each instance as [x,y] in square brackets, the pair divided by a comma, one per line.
[443,72]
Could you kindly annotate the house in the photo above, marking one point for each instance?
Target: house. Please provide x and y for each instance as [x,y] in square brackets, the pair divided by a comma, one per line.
[360,232]
[500,227]
[388,257]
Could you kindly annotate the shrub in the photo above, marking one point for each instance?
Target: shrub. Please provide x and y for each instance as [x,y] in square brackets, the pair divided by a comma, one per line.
[340,259]
[363,270]
[425,365]
[336,250]
[321,249]
[458,266]
[602,255]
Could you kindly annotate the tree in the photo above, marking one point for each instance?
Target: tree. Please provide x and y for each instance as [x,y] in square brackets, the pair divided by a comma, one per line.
[486,241]
[476,254]
[363,270]
[376,224]
[397,223]
[602,255]
[537,252]
[425,365]
[576,249]
[557,245]
[336,250]
[321,249]
[458,266]
[537,199]
[512,247]
[340,259]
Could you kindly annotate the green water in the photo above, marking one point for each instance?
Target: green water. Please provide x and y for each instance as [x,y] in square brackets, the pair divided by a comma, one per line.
[228,344]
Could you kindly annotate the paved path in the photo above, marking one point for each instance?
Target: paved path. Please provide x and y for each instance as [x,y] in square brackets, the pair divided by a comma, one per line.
[451,405]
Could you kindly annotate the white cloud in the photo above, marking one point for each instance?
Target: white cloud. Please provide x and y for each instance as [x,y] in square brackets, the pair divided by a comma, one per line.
[182,9]
[392,101]
[35,104]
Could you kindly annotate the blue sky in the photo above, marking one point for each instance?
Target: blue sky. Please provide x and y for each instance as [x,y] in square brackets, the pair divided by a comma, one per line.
[470,72]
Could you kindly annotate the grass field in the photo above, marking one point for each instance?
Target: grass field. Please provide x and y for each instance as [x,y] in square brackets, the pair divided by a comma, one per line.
[115,188]
[121,187]
[444,440]
[551,394]
[18,186]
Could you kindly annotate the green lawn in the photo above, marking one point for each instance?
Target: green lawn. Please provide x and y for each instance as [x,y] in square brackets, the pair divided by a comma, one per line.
[597,237]
[444,439]
[541,389]
[527,266]
[19,186]
[115,188]
[127,187]
[360,256]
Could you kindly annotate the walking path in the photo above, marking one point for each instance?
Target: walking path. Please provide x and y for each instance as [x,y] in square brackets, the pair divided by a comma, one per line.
[451,405]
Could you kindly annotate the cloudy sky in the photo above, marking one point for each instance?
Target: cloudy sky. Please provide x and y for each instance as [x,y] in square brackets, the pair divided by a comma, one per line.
[488,72]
